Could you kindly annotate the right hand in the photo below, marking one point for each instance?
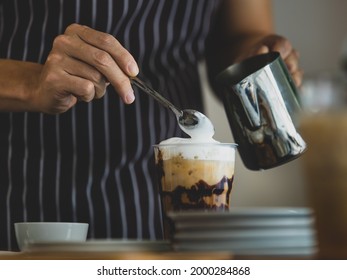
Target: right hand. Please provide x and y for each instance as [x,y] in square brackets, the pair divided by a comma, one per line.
[81,64]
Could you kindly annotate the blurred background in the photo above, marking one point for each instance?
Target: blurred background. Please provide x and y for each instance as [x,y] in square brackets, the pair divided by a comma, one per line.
[318,30]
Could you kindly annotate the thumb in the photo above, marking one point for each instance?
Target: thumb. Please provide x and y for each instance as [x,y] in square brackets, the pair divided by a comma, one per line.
[262,50]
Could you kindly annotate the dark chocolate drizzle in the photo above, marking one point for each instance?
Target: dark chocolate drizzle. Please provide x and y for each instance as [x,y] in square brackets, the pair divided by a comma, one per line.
[196,194]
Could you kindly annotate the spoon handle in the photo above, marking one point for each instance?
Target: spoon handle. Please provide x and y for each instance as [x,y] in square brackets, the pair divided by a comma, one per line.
[140,84]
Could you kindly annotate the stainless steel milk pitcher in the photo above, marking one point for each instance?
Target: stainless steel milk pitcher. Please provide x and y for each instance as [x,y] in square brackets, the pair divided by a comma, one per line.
[261,104]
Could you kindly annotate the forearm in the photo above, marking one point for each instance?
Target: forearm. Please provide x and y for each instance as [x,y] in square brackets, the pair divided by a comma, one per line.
[18,81]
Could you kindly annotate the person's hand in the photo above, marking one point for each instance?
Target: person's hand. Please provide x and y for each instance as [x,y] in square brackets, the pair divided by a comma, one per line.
[285,48]
[81,64]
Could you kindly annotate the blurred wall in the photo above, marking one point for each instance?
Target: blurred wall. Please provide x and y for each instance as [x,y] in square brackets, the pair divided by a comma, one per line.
[316,28]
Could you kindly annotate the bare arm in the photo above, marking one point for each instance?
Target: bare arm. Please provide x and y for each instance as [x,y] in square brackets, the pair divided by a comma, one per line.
[81,64]
[17,82]
[245,28]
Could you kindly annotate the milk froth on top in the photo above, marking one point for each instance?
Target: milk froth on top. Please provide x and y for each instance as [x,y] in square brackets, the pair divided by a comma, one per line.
[200,145]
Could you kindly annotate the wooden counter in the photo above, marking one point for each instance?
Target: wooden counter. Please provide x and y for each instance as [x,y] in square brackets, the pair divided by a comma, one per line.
[5,255]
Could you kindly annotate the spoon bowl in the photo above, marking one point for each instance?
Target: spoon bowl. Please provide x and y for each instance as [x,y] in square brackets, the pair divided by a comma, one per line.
[189,118]
[194,123]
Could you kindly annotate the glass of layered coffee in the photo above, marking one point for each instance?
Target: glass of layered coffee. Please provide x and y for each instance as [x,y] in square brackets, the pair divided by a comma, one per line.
[194,176]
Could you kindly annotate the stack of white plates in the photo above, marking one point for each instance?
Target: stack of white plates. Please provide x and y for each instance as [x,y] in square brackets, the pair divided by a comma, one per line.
[246,231]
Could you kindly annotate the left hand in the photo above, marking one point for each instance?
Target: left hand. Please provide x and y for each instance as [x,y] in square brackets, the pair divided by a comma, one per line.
[284,47]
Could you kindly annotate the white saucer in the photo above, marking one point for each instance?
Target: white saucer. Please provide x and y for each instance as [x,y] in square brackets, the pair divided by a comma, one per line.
[101,245]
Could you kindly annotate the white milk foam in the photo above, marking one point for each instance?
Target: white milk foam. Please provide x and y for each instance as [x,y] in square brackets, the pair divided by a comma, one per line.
[200,145]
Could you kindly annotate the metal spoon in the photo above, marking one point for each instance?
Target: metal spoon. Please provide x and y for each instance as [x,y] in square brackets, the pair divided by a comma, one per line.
[187,119]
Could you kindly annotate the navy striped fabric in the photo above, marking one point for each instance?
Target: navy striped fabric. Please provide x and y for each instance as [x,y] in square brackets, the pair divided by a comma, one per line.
[95,162]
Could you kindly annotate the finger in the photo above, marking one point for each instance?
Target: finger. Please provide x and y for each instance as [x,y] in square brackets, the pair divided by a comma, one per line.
[292,61]
[81,88]
[279,44]
[262,50]
[80,69]
[109,44]
[298,77]
[100,59]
